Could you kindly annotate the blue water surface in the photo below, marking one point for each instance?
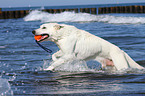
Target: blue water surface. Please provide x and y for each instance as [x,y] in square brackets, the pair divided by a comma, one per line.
[22,60]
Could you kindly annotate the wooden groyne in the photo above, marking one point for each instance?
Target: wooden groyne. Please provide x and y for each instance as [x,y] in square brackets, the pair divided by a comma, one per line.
[97,10]
[13,14]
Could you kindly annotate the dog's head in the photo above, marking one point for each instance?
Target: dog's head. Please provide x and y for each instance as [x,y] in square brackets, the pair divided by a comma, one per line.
[49,31]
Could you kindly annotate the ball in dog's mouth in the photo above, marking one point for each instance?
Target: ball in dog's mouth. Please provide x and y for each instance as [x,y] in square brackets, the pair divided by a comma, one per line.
[40,38]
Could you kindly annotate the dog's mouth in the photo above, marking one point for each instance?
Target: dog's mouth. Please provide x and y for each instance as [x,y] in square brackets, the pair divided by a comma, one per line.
[40,38]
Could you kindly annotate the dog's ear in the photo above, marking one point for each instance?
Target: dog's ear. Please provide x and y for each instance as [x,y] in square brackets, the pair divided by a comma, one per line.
[58,27]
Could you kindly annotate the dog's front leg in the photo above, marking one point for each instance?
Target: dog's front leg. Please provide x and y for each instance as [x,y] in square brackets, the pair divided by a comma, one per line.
[57,55]
[65,54]
[55,64]
[60,61]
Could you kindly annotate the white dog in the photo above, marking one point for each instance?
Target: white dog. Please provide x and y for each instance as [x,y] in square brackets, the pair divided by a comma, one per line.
[81,45]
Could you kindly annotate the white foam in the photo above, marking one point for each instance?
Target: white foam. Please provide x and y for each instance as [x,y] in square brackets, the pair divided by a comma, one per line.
[74,66]
[5,88]
[36,15]
[70,66]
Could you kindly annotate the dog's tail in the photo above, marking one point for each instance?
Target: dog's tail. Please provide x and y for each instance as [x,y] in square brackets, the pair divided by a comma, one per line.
[132,63]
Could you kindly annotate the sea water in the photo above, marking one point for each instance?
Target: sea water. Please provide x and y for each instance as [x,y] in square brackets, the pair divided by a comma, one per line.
[22,61]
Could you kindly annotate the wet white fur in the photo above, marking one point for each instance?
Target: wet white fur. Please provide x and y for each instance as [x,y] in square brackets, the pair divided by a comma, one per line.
[79,44]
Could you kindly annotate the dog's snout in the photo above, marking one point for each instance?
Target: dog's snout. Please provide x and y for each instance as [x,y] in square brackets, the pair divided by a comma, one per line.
[33,32]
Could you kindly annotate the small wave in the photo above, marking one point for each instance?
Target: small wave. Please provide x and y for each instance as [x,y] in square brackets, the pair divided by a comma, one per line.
[58,17]
[1,47]
[42,16]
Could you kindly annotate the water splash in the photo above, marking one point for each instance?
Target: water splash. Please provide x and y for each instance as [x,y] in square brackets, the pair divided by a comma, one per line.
[37,15]
[74,66]
[70,66]
[83,66]
[5,88]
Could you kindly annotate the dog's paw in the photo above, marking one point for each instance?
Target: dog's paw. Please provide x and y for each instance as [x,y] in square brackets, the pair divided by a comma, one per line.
[50,68]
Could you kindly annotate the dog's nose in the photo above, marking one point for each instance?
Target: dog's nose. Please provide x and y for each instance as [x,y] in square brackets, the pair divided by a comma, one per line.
[33,32]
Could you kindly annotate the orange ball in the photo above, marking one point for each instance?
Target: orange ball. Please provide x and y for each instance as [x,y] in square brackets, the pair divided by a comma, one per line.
[37,37]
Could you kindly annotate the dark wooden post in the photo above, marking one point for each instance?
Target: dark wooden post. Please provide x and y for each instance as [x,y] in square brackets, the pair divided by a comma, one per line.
[1,17]
[143,9]
[81,10]
[93,11]
[66,9]
[100,11]
[87,10]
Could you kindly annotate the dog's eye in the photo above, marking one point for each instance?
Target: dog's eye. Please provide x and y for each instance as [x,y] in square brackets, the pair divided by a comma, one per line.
[44,28]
